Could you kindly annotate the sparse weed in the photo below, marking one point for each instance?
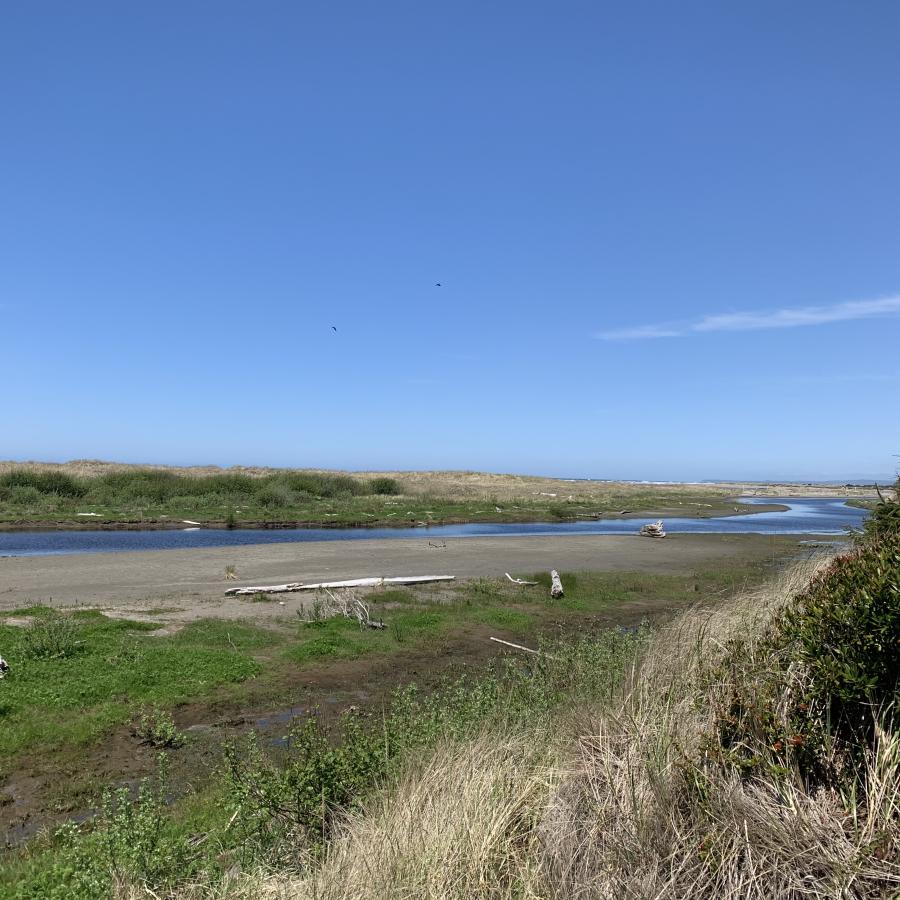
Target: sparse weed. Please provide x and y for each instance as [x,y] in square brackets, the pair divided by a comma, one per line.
[156,727]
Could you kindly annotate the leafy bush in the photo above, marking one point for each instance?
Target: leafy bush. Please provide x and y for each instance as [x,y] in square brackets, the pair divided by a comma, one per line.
[50,636]
[45,482]
[156,727]
[276,496]
[885,517]
[322,485]
[384,486]
[22,495]
[809,694]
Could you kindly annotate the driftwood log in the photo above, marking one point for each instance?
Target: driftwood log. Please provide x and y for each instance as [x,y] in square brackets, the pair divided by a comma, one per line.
[653,529]
[518,580]
[556,588]
[349,583]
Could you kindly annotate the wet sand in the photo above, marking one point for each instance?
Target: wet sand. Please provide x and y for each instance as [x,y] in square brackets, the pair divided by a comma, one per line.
[192,581]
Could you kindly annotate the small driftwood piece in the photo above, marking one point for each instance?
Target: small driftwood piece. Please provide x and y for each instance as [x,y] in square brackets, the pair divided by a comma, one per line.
[556,588]
[653,529]
[518,580]
[349,583]
[344,603]
[523,649]
[352,607]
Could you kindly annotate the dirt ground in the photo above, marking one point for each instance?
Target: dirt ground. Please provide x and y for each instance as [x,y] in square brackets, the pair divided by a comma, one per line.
[189,584]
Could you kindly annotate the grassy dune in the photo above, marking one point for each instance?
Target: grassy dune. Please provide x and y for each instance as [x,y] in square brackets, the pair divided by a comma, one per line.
[95,494]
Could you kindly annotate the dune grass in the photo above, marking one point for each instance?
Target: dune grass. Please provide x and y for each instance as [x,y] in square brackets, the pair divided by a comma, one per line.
[133,495]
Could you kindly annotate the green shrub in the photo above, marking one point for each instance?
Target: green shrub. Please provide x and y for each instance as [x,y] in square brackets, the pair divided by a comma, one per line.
[156,727]
[384,486]
[131,842]
[276,496]
[885,517]
[807,697]
[23,495]
[50,636]
[322,485]
[45,482]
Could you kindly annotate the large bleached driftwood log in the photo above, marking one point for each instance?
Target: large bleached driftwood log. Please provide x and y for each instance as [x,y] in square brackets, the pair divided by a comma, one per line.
[349,583]
[653,529]
[556,588]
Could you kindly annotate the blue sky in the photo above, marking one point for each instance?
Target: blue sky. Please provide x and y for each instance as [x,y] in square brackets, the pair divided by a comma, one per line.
[667,236]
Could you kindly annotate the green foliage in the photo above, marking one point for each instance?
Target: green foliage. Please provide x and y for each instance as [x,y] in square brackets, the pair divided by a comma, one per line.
[161,491]
[885,516]
[286,802]
[131,842]
[50,636]
[384,486]
[44,482]
[156,727]
[808,695]
[275,496]
[74,698]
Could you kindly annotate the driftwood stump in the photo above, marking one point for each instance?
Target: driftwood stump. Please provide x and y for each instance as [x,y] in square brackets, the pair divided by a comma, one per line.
[556,588]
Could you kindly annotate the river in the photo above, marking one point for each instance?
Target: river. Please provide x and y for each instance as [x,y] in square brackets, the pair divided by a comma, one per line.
[804,516]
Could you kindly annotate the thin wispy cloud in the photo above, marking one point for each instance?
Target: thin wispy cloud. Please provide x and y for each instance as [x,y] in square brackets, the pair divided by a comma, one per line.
[796,317]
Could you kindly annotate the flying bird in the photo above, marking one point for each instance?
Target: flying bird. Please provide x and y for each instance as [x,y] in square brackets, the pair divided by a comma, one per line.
[437,284]
[334,329]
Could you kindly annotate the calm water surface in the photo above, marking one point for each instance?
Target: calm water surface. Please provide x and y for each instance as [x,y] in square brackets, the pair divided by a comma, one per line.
[819,516]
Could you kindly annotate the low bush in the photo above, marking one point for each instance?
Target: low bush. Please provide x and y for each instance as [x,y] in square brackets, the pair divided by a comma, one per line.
[275,496]
[384,486]
[156,727]
[45,482]
[132,842]
[50,636]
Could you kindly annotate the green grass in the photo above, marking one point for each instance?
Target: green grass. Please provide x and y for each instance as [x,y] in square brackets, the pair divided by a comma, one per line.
[341,638]
[46,703]
[116,665]
[264,807]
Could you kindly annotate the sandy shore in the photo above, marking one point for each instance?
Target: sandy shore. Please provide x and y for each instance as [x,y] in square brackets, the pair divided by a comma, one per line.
[190,583]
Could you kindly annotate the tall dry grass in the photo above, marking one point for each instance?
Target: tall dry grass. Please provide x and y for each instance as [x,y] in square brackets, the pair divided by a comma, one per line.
[614,802]
[641,817]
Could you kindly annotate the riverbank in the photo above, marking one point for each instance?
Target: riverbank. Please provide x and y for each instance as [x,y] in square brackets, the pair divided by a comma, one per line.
[221,667]
[191,582]
[92,495]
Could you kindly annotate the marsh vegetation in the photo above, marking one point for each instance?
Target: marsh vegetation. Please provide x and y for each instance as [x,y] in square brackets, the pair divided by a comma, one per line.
[135,496]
